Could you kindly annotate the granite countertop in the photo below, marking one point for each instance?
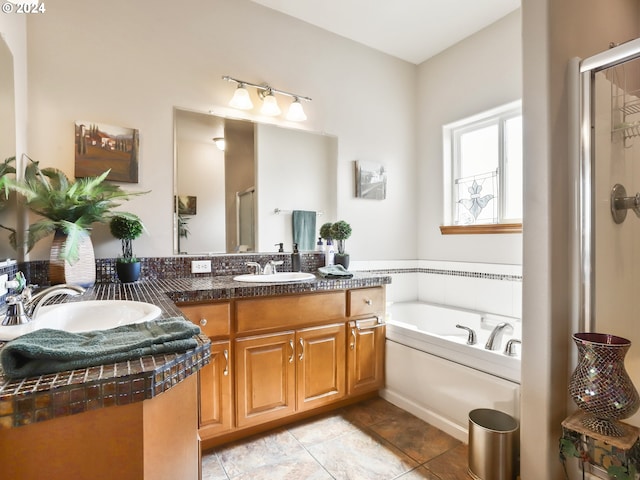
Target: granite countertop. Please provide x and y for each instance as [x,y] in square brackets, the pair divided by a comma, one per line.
[30,400]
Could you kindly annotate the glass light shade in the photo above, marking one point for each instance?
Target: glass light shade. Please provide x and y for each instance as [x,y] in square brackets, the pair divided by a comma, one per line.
[241,99]
[296,112]
[270,106]
[220,142]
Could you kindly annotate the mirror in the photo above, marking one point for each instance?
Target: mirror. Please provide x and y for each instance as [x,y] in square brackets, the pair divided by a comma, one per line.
[241,199]
[7,139]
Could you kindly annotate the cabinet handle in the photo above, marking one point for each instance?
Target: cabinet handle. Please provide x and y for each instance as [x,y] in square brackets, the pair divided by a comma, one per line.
[377,325]
[203,322]
[225,372]
[293,352]
[368,301]
[301,356]
[353,334]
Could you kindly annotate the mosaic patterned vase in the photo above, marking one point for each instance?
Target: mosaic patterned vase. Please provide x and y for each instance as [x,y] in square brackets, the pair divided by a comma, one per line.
[600,384]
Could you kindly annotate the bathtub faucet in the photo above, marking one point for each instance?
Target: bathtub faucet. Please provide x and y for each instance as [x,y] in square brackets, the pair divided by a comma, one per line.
[495,333]
[471,339]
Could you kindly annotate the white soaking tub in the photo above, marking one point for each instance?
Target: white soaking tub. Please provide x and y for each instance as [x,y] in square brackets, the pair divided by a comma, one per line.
[434,374]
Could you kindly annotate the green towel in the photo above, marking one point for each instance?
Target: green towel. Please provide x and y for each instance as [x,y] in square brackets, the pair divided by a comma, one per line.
[48,351]
[304,229]
[334,271]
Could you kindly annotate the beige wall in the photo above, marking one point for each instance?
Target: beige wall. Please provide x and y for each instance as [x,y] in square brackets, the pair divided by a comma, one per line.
[481,72]
[129,63]
[554,31]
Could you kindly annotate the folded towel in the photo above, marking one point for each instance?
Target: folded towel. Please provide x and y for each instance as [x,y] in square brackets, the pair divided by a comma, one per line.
[48,351]
[334,271]
[304,229]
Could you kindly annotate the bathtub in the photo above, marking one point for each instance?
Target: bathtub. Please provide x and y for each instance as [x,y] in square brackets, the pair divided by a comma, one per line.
[434,374]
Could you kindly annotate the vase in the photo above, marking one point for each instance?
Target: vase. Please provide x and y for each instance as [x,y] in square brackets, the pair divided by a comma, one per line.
[128,272]
[82,272]
[600,384]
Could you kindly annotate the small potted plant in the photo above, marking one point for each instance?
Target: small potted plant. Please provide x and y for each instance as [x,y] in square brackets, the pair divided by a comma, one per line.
[340,231]
[126,227]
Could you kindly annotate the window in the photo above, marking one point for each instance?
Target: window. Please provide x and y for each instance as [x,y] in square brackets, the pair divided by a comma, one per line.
[483,169]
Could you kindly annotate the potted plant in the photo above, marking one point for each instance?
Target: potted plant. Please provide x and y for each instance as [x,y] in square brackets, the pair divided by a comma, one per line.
[69,209]
[340,231]
[126,228]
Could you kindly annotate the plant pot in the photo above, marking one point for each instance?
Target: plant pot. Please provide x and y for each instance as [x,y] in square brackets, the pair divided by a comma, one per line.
[128,272]
[342,259]
[81,272]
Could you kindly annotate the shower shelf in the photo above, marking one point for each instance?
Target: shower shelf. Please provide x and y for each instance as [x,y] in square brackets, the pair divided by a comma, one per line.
[629,130]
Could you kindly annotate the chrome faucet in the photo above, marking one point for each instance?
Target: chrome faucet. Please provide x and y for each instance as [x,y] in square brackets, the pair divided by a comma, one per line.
[510,349]
[495,333]
[270,267]
[257,269]
[24,306]
[471,338]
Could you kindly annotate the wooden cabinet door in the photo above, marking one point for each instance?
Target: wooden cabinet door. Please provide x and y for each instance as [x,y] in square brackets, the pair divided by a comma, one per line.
[365,356]
[320,355]
[215,405]
[265,378]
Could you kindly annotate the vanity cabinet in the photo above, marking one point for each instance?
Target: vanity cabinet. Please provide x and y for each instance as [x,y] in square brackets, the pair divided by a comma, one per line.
[278,357]
[215,385]
[366,340]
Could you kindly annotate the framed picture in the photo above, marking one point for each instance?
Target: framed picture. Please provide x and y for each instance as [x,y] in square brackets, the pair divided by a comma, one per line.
[101,147]
[186,204]
[371,181]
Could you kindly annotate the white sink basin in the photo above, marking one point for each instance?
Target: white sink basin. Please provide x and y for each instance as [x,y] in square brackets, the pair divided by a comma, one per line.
[276,277]
[85,316]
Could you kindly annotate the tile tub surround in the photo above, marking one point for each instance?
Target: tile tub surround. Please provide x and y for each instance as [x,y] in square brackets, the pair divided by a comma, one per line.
[26,401]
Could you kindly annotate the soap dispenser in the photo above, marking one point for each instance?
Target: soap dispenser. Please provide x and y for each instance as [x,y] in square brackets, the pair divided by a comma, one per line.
[329,253]
[280,247]
[295,259]
[319,245]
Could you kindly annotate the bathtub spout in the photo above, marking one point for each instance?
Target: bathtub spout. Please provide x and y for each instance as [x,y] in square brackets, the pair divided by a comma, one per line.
[471,339]
[495,333]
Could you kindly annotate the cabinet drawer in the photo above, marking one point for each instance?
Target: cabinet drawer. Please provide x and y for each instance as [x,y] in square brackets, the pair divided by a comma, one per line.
[365,301]
[212,318]
[255,315]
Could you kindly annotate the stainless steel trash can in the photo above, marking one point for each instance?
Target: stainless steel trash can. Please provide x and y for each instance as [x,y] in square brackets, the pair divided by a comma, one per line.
[493,445]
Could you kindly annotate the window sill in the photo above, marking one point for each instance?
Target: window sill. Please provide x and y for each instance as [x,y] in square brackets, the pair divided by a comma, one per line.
[481,229]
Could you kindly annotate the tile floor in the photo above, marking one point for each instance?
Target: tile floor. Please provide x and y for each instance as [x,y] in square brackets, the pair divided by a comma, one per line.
[372,440]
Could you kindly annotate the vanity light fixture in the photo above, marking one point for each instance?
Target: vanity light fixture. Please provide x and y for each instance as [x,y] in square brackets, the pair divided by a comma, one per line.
[220,142]
[241,98]
[270,104]
[296,112]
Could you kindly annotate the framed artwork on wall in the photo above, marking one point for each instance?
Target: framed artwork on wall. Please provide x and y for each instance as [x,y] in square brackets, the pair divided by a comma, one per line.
[371,180]
[100,147]
[186,204]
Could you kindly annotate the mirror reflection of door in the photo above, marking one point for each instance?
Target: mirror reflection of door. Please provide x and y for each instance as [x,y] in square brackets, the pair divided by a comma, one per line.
[7,142]
[246,219]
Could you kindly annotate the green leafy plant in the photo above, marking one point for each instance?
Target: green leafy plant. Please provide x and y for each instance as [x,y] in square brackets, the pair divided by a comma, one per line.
[126,227]
[325,231]
[620,468]
[340,231]
[67,206]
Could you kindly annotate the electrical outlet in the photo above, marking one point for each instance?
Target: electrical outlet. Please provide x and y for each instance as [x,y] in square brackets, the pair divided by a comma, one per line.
[201,266]
[3,284]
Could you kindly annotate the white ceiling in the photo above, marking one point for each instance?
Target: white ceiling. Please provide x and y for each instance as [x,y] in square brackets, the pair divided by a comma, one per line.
[413,30]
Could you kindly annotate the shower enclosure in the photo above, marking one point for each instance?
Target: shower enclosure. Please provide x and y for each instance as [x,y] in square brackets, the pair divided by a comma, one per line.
[608,206]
